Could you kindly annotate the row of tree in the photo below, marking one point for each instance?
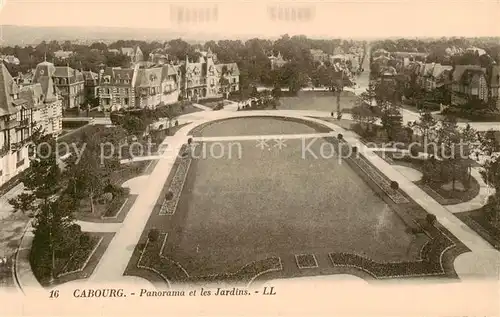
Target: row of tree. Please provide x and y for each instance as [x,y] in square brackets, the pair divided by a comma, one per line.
[251,56]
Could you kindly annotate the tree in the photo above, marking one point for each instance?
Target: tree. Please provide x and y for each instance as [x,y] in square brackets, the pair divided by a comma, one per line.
[52,226]
[365,115]
[424,125]
[391,118]
[24,202]
[134,125]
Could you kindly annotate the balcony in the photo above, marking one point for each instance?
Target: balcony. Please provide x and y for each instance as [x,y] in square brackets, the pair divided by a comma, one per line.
[24,122]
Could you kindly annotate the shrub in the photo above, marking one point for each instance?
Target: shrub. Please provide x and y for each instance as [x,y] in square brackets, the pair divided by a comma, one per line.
[190,140]
[431,219]
[331,113]
[414,151]
[153,235]
[340,136]
[169,195]
[176,122]
[394,185]
[339,116]
[107,197]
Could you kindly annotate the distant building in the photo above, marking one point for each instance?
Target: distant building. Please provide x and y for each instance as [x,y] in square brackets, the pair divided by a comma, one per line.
[277,61]
[158,56]
[134,53]
[91,84]
[494,85]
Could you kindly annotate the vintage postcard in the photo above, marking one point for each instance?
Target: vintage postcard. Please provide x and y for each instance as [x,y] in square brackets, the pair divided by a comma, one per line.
[257,158]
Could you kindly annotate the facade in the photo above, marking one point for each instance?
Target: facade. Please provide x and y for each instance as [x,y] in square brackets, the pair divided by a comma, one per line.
[138,87]
[468,82]
[70,82]
[134,53]
[434,76]
[21,110]
[206,79]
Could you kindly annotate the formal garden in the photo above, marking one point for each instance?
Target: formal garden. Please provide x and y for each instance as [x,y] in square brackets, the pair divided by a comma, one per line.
[351,214]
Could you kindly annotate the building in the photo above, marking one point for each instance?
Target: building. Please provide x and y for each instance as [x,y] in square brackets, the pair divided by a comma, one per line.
[15,128]
[494,85]
[138,87]
[69,82]
[134,53]
[206,53]
[158,56]
[62,54]
[206,79]
[434,76]
[277,61]
[468,82]
[46,106]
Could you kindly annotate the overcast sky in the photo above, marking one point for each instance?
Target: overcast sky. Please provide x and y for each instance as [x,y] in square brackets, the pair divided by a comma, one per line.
[352,18]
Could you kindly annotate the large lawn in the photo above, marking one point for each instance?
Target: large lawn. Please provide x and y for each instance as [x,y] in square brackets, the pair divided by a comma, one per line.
[323,101]
[273,202]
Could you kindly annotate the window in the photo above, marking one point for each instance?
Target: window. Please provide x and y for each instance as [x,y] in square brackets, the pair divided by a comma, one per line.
[19,155]
[127,91]
[125,101]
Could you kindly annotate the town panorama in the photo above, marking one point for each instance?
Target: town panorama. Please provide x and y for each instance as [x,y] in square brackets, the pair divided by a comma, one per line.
[238,163]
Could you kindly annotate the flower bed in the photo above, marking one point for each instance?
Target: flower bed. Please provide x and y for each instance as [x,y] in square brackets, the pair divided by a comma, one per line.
[305,261]
[169,206]
[379,179]
[152,259]
[429,264]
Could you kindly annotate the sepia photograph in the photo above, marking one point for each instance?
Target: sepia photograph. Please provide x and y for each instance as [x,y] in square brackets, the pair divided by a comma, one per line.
[249,158]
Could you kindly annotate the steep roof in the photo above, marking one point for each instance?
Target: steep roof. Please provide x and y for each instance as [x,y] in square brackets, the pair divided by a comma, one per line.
[7,85]
[127,50]
[73,75]
[89,75]
[168,70]
[33,94]
[460,69]
[232,68]
[439,70]
[43,69]
[147,77]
